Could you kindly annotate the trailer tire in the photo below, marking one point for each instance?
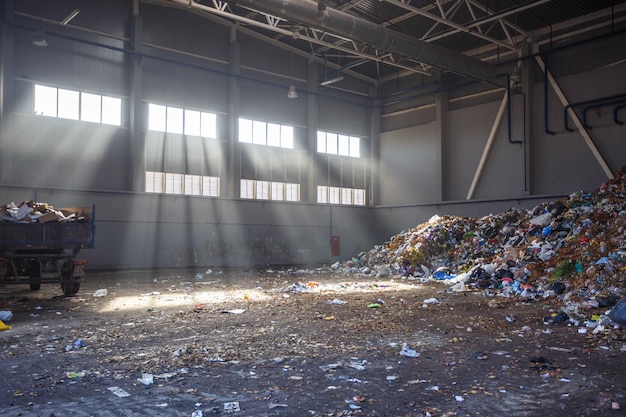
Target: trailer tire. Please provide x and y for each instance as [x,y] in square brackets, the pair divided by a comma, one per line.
[69,283]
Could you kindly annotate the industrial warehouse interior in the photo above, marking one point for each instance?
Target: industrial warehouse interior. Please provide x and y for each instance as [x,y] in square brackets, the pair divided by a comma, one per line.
[313,208]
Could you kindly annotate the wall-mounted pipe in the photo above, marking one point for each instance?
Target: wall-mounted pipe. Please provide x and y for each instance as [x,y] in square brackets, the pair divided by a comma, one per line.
[600,100]
[593,106]
[546,75]
[508,111]
[587,138]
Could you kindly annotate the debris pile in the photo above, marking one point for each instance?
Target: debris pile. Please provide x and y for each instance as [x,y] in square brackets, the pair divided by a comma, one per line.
[571,248]
[34,212]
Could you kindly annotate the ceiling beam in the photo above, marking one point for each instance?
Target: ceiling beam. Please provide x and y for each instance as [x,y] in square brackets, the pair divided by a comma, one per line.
[351,27]
[450,23]
[275,27]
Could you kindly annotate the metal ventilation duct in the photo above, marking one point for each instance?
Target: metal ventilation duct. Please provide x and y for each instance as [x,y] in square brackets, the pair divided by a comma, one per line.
[351,27]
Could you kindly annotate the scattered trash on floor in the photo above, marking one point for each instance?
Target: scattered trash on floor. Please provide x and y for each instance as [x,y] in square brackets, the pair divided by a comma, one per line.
[408,352]
[119,392]
[103,292]
[232,407]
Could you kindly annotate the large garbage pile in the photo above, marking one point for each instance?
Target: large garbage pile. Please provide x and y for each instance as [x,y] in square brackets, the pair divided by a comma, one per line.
[575,246]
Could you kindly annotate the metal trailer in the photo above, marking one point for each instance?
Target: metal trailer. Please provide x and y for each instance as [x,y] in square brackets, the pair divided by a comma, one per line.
[36,253]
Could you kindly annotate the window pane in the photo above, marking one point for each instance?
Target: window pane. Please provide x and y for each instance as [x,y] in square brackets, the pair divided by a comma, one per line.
[192,184]
[344,145]
[156,117]
[278,191]
[355,147]
[192,122]
[331,143]
[211,186]
[245,131]
[174,120]
[321,142]
[259,133]
[333,195]
[359,197]
[154,182]
[68,104]
[286,137]
[292,192]
[45,101]
[322,194]
[90,107]
[247,189]
[112,110]
[209,125]
[173,183]
[273,134]
[262,190]
[346,196]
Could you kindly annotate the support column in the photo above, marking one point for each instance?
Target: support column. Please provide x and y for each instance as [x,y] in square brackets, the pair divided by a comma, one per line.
[527,90]
[233,158]
[137,115]
[310,194]
[375,116]
[6,61]
[441,112]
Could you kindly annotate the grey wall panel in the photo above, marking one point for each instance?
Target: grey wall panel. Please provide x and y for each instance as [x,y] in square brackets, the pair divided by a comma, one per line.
[269,103]
[43,151]
[151,231]
[403,120]
[185,87]
[563,162]
[467,132]
[503,173]
[343,117]
[272,60]
[186,32]
[101,15]
[69,64]
[409,165]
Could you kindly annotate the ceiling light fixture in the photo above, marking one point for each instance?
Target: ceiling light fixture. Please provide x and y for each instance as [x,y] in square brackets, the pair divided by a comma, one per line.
[322,14]
[332,80]
[40,39]
[70,17]
[292,92]
[292,88]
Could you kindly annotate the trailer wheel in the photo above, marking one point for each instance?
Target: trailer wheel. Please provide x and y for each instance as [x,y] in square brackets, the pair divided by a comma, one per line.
[69,283]
[35,275]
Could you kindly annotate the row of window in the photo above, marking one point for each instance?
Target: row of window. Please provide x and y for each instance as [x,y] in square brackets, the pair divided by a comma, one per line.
[181,121]
[336,144]
[185,184]
[269,190]
[182,184]
[77,105]
[340,195]
[269,134]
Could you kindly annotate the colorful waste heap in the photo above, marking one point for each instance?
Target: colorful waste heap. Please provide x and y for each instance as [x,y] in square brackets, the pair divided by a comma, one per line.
[576,243]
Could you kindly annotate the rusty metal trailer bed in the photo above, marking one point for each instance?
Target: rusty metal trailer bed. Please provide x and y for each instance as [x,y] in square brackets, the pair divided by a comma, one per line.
[36,253]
